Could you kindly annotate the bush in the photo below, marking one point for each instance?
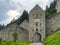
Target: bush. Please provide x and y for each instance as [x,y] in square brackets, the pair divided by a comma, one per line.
[15,36]
[0,39]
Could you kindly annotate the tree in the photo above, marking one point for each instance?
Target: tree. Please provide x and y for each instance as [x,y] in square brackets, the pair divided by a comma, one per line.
[47,13]
[15,36]
[53,4]
[47,8]
[51,10]
[23,17]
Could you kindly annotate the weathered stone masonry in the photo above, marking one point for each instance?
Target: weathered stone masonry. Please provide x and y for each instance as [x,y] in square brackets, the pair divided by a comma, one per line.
[34,30]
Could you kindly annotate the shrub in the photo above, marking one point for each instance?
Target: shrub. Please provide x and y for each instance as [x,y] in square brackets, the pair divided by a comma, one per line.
[15,36]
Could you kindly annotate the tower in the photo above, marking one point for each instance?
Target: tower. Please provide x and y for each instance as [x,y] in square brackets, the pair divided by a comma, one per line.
[36,24]
[58,6]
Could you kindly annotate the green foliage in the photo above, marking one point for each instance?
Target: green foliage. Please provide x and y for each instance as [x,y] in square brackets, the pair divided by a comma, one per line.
[15,36]
[15,43]
[23,17]
[0,39]
[51,10]
[17,22]
[47,13]
[53,39]
[53,4]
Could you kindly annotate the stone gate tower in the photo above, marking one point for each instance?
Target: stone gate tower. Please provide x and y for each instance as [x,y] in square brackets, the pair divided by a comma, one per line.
[36,24]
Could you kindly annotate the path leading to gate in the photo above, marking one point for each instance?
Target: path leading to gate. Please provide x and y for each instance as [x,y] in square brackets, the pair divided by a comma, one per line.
[36,44]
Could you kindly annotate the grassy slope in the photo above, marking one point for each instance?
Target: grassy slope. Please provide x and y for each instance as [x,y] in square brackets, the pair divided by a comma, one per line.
[53,39]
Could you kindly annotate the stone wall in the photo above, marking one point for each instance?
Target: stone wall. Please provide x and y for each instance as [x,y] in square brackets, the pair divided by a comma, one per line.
[53,23]
[25,25]
[6,34]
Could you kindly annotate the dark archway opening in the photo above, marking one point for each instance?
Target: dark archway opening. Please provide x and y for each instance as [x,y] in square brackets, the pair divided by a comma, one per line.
[36,37]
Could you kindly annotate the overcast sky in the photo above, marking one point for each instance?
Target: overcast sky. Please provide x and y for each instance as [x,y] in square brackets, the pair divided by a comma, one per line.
[10,9]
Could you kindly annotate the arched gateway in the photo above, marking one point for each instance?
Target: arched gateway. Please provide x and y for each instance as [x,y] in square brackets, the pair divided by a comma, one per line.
[36,37]
[37,26]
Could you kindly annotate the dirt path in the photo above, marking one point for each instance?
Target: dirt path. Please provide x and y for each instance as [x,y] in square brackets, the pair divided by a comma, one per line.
[36,44]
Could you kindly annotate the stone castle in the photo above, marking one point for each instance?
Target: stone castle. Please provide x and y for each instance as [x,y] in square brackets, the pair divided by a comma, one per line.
[36,29]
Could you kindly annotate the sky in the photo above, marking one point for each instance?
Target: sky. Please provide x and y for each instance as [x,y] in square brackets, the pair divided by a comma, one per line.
[12,9]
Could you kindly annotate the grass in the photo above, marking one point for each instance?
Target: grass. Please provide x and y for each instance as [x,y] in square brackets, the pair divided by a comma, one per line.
[14,43]
[53,39]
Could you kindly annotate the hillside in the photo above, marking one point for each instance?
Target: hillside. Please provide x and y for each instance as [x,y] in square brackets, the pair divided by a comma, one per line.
[53,39]
[23,17]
